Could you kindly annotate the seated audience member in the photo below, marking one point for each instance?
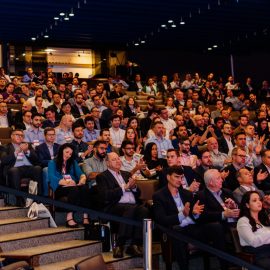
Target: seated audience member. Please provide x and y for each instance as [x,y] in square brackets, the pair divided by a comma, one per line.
[205,164]
[132,136]
[168,123]
[90,134]
[66,110]
[6,118]
[96,164]
[154,164]
[38,106]
[120,196]
[35,134]
[26,121]
[145,123]
[151,132]
[19,160]
[29,76]
[117,134]
[47,151]
[175,207]
[132,163]
[9,96]
[106,136]
[245,179]
[190,180]
[64,130]
[162,143]
[81,149]
[50,119]
[219,108]
[97,103]
[67,179]
[263,183]
[26,106]
[238,162]
[219,159]
[79,110]
[253,229]
[171,107]
[117,92]
[107,114]
[243,122]
[96,115]
[226,142]
[219,122]
[186,157]
[131,108]
[219,205]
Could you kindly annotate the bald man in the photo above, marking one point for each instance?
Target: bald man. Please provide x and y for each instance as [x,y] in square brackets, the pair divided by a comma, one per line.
[119,195]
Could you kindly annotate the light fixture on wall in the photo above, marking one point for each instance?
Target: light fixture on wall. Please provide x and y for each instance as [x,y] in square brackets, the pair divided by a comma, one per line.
[62,14]
[66,18]
[56,18]
[46,36]
[71,14]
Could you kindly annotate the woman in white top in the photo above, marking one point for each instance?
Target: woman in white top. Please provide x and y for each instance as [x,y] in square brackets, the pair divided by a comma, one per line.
[254,228]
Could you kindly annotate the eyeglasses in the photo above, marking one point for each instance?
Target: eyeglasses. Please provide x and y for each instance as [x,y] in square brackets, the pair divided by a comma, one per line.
[242,156]
[18,135]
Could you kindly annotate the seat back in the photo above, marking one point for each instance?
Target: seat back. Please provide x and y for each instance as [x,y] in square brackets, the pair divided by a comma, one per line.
[5,132]
[95,263]
[16,266]
[236,241]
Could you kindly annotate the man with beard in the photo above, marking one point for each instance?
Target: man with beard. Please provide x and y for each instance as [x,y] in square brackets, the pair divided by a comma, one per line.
[225,142]
[79,110]
[35,134]
[81,148]
[186,157]
[96,164]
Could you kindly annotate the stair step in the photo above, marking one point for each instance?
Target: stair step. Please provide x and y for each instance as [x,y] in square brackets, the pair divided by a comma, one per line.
[15,241]
[15,225]
[56,252]
[2,202]
[12,212]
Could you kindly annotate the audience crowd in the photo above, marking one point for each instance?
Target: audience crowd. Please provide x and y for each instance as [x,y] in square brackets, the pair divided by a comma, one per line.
[206,142]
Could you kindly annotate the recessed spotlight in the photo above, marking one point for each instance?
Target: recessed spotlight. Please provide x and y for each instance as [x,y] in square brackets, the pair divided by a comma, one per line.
[46,36]
[71,14]
[62,14]
[163,25]
[170,21]
[33,38]
[173,25]
[182,23]
[210,49]
[56,18]
[215,46]
[136,44]
[143,41]
[17,58]
[23,54]
[66,18]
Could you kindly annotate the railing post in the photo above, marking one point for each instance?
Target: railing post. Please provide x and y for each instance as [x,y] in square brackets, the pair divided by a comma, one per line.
[147,244]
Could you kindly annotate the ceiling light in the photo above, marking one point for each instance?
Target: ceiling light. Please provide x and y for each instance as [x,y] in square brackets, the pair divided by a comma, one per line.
[46,36]
[163,25]
[215,46]
[170,21]
[136,44]
[173,25]
[62,14]
[143,41]
[71,14]
[56,18]
[182,23]
[49,50]
[209,49]
[17,58]
[66,18]
[33,38]
[23,54]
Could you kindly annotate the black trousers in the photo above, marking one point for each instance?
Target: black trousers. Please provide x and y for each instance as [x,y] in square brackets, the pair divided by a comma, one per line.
[15,174]
[78,195]
[207,233]
[126,232]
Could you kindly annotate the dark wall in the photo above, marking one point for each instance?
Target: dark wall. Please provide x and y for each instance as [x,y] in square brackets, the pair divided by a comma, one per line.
[246,64]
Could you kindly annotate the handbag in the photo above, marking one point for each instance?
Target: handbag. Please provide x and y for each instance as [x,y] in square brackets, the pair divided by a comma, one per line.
[32,189]
[39,210]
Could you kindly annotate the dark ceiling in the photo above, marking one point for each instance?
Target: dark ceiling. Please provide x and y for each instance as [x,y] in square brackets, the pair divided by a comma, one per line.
[122,23]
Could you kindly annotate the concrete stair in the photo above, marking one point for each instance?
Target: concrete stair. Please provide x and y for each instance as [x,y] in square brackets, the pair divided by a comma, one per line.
[50,248]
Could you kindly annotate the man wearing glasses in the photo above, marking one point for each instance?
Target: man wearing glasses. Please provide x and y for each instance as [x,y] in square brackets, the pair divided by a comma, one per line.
[18,161]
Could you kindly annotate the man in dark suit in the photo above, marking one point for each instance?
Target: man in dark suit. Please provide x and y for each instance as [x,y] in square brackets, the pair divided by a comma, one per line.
[18,161]
[46,152]
[78,109]
[175,207]
[6,118]
[219,205]
[261,173]
[119,195]
[50,120]
[108,113]
[225,142]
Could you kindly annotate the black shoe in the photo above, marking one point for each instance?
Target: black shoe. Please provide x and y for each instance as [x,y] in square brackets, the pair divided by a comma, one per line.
[20,202]
[75,225]
[118,252]
[133,250]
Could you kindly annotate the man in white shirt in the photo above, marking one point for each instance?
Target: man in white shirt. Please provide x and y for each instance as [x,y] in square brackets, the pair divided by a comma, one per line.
[117,134]
[168,123]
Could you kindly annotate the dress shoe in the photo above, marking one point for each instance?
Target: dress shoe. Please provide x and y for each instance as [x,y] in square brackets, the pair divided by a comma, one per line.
[118,252]
[74,225]
[133,250]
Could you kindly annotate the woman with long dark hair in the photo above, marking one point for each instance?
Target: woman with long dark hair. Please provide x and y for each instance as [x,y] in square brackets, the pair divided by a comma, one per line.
[154,164]
[254,228]
[67,180]
[131,108]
